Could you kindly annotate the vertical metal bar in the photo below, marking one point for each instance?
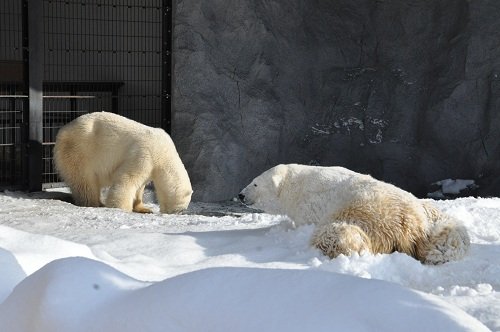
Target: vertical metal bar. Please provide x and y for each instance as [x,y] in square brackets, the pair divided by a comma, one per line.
[24,89]
[118,52]
[166,70]
[35,80]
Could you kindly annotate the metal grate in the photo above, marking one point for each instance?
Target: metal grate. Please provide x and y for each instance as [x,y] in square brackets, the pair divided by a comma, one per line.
[98,55]
[11,148]
[101,55]
[12,95]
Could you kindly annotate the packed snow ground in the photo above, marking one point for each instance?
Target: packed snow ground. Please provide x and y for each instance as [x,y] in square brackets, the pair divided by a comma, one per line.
[224,268]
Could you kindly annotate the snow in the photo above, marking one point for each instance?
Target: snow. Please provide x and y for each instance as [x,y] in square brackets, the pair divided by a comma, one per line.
[226,268]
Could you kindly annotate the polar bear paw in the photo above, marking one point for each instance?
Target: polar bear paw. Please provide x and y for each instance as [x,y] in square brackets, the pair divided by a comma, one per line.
[340,238]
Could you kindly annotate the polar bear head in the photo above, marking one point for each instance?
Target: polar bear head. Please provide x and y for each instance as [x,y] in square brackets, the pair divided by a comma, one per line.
[173,187]
[177,202]
[265,190]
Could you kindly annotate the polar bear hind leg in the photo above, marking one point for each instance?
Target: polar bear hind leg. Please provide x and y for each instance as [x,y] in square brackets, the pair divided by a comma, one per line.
[448,240]
[86,193]
[338,238]
[71,165]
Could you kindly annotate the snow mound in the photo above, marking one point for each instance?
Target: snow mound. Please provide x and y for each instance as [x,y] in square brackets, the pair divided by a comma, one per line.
[138,273]
[79,294]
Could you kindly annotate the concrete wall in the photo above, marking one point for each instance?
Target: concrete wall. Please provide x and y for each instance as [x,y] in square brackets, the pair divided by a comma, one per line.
[406,90]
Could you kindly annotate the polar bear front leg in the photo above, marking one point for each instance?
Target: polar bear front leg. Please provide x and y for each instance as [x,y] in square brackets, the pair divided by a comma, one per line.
[138,205]
[127,196]
[338,238]
[128,184]
[123,192]
[121,196]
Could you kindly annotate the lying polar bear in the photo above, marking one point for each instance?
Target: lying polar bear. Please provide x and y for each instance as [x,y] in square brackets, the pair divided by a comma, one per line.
[355,212]
[103,149]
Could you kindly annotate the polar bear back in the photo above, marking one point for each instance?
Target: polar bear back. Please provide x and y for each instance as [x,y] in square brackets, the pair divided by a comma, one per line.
[326,190]
[103,141]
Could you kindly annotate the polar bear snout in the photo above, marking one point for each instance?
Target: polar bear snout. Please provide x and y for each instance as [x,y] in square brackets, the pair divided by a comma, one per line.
[246,198]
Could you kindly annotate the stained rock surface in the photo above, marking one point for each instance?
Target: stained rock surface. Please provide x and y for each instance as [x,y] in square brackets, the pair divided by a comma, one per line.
[405,90]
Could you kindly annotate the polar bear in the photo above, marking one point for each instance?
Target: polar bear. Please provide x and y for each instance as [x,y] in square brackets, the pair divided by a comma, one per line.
[354,213]
[102,149]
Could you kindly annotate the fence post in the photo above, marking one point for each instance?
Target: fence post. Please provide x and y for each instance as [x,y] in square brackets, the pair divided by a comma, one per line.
[166,66]
[35,85]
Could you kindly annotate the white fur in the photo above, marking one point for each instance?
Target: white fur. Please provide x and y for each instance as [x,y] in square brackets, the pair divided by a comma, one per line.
[355,212]
[103,149]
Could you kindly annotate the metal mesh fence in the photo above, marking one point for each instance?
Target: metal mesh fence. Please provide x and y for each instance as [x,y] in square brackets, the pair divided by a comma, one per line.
[12,94]
[99,55]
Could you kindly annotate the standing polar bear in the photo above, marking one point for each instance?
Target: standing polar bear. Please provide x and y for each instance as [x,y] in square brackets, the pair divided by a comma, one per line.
[103,149]
[354,212]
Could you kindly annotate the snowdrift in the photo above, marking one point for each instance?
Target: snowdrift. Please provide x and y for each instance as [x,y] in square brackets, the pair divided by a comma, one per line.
[217,268]
[78,294]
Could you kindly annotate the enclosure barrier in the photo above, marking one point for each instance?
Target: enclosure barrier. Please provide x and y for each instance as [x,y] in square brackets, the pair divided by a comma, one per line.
[63,58]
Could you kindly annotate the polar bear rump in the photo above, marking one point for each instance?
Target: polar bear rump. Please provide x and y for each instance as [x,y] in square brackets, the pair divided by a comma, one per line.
[354,212]
[101,149]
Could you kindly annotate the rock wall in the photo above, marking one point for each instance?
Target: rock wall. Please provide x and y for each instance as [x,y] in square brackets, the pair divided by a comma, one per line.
[406,90]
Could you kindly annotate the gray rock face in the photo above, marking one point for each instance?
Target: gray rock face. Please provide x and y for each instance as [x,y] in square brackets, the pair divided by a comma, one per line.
[405,90]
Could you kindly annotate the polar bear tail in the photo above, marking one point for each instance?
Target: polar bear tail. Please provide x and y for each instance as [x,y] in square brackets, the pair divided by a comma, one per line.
[447,240]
